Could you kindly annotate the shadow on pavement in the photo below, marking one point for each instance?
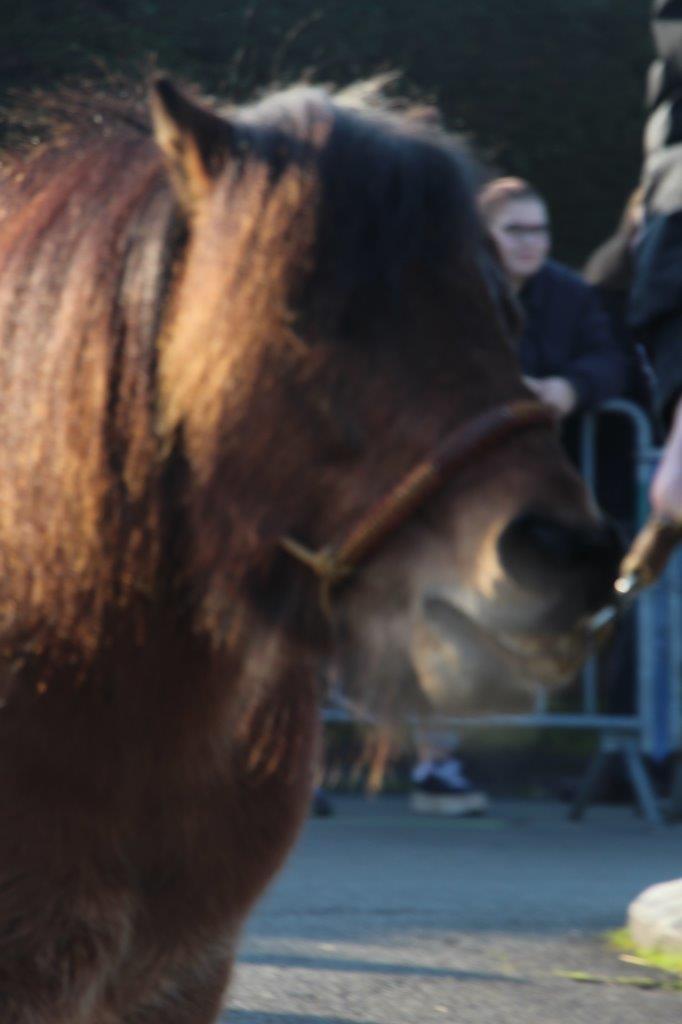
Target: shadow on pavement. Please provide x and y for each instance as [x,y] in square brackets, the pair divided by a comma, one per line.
[369,967]
[257,1017]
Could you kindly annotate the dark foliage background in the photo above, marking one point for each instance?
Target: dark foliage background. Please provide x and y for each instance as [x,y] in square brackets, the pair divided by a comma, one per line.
[549,89]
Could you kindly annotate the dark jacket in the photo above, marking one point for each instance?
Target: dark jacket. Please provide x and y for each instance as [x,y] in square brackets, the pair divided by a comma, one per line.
[567,334]
[656,298]
[610,270]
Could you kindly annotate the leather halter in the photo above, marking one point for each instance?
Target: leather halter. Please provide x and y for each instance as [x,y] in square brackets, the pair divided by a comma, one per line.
[335,562]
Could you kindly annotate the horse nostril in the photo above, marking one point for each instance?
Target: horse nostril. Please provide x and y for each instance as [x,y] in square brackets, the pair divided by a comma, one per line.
[541,553]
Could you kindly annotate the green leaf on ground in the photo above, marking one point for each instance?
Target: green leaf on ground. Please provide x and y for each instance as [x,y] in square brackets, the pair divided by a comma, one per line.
[621,941]
[634,980]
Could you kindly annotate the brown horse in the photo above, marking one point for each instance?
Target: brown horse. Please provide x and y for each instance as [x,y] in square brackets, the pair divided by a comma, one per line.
[243,334]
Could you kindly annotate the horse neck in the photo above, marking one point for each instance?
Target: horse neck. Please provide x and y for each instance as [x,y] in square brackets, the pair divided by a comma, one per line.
[252,690]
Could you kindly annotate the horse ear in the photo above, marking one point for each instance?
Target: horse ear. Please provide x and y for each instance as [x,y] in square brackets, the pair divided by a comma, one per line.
[195,142]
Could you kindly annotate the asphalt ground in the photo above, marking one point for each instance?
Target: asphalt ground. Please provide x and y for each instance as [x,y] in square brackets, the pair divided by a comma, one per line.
[381,917]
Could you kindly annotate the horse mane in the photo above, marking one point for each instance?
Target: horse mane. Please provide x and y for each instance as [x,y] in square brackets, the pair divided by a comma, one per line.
[320,216]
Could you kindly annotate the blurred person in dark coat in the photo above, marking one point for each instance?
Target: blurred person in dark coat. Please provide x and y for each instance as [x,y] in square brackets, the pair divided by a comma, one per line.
[656,297]
[611,269]
[567,350]
[570,355]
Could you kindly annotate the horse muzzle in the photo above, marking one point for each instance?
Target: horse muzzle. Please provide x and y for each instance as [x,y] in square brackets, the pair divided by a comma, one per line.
[571,567]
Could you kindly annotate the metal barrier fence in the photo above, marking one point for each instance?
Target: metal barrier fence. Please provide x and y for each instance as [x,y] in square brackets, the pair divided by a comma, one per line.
[654,727]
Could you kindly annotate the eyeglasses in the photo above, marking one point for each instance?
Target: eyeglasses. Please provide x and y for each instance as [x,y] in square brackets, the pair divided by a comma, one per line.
[526,230]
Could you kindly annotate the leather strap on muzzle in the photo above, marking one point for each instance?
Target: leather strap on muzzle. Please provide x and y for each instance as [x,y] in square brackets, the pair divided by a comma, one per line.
[334,563]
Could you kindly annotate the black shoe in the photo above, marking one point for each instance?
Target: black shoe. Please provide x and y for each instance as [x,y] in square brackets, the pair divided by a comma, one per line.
[440,787]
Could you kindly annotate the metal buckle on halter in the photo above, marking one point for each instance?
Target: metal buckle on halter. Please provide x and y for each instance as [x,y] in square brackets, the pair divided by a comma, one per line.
[324,563]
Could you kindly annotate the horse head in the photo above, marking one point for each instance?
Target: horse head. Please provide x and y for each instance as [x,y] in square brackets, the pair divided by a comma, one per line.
[336,328]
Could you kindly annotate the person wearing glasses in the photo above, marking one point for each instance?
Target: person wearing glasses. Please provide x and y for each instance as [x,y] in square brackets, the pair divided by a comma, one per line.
[567,351]
[570,360]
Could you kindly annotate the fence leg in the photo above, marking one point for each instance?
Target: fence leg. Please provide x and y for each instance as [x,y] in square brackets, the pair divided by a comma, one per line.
[589,784]
[641,784]
[675,803]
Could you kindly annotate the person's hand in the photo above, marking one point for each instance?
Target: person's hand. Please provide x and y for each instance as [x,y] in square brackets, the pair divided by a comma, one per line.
[666,488]
[555,391]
